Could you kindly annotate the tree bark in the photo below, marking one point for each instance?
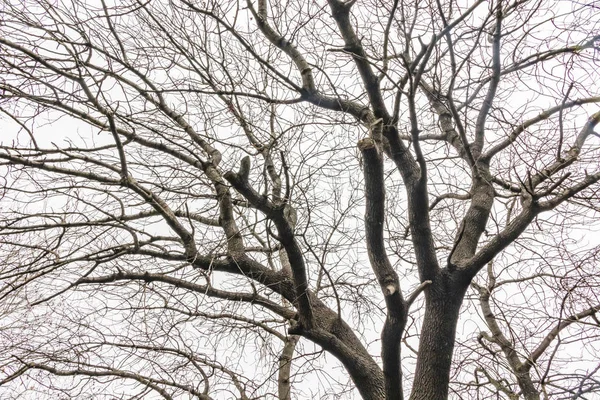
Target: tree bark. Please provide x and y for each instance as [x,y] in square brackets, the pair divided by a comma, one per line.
[443,299]
[285,366]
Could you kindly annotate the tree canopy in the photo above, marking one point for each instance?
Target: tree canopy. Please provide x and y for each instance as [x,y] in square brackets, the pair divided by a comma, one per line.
[299,199]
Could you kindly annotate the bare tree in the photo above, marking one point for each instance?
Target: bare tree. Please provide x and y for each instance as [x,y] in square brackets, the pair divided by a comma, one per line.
[221,199]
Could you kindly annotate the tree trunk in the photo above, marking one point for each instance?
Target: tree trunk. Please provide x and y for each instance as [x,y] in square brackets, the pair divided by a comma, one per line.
[443,300]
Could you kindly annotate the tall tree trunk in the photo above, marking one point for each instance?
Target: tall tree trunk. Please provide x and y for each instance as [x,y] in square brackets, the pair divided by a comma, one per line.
[443,300]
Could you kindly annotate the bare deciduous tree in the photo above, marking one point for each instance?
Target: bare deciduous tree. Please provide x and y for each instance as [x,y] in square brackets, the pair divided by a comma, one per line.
[220,199]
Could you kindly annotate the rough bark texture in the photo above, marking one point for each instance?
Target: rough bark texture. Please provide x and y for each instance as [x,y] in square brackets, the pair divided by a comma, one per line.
[443,301]
[336,337]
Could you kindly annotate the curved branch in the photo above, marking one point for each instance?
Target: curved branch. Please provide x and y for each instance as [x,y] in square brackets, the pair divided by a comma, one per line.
[545,343]
[207,290]
[276,213]
[532,121]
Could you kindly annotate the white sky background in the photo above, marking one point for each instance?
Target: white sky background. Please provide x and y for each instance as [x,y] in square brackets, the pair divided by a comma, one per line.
[340,182]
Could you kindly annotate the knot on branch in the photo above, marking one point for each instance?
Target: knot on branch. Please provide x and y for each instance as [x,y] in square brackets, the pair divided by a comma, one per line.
[390,289]
[240,182]
[341,8]
[295,328]
[366,144]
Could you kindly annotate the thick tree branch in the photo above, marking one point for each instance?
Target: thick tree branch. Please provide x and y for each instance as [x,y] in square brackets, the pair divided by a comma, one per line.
[286,234]
[523,376]
[341,14]
[308,83]
[492,88]
[386,275]
[284,387]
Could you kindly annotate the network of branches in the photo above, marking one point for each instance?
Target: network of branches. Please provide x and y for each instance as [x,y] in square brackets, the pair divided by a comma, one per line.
[220,199]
